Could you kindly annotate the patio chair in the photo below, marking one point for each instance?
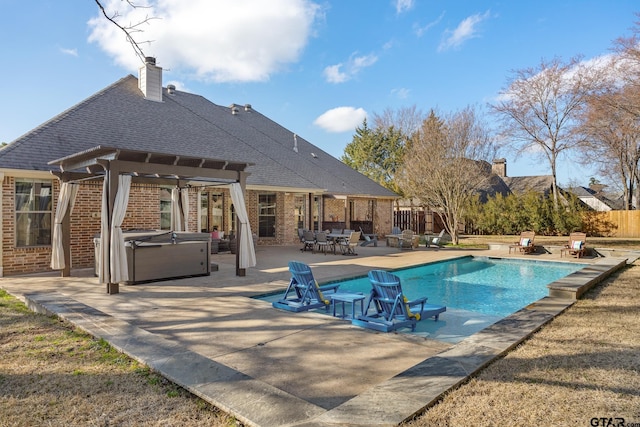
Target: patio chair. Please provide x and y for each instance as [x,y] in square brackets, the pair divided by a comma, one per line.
[406,239]
[437,241]
[308,240]
[322,243]
[348,245]
[576,245]
[368,239]
[525,244]
[396,230]
[388,309]
[303,292]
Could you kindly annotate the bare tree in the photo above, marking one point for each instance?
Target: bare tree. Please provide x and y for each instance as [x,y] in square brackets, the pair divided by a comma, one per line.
[539,110]
[445,165]
[613,138]
[128,29]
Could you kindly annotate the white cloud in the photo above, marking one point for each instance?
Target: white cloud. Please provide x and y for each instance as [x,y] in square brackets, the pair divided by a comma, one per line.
[341,119]
[355,64]
[400,93]
[403,5]
[71,52]
[467,29]
[211,40]
[421,30]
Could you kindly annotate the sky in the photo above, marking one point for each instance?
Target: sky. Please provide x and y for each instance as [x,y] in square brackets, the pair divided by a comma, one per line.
[316,67]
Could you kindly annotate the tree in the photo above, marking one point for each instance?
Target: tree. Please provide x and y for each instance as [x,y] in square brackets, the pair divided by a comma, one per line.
[613,138]
[376,153]
[539,110]
[445,165]
[128,29]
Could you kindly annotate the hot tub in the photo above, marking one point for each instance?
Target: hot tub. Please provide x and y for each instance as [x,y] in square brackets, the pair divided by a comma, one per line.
[160,255]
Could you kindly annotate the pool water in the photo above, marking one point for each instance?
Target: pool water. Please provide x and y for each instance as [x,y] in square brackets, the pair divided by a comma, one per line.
[477,291]
[490,286]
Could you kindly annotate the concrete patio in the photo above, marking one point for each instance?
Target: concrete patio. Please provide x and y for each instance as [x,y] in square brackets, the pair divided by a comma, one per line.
[273,368]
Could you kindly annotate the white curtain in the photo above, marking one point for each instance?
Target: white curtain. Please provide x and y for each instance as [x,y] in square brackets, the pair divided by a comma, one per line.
[119,269]
[184,203]
[176,213]
[103,261]
[66,198]
[113,256]
[245,245]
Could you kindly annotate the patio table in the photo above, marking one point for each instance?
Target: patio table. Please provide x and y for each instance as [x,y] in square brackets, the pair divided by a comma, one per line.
[344,297]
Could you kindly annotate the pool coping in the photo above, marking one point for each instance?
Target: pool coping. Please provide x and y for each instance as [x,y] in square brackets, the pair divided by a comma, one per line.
[433,377]
[387,403]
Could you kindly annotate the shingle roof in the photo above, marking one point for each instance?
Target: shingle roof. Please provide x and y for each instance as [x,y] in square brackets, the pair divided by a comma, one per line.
[190,125]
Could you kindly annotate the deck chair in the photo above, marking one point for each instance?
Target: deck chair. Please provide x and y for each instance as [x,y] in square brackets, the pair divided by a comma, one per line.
[576,245]
[348,245]
[437,241]
[368,240]
[303,292]
[308,240]
[322,243]
[388,309]
[525,244]
[406,239]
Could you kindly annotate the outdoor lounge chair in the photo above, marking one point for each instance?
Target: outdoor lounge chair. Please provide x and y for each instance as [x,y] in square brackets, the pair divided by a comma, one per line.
[525,244]
[348,245]
[576,245]
[369,239]
[303,292]
[436,241]
[388,309]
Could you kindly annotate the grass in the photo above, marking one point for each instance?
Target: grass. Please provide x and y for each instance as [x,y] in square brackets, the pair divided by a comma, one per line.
[54,375]
[585,364]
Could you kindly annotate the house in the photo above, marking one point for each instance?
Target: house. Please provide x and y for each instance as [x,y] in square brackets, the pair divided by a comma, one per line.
[290,183]
[595,199]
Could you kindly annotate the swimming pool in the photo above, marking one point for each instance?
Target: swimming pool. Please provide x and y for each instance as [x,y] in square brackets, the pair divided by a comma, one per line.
[477,291]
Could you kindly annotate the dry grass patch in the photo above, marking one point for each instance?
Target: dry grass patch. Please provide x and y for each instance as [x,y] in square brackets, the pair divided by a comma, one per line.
[584,364]
[53,375]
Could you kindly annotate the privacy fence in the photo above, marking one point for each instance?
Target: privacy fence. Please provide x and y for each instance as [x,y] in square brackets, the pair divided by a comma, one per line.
[621,224]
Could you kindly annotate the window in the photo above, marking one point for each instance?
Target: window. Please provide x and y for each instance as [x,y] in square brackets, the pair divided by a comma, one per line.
[165,208]
[300,209]
[33,212]
[267,215]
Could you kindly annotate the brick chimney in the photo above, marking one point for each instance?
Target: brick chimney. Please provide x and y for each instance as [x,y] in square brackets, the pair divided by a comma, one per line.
[499,167]
[150,80]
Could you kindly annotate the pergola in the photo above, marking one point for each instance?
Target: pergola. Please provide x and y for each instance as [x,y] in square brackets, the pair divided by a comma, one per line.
[119,167]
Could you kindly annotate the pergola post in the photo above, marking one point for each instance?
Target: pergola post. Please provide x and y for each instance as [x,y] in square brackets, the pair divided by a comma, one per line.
[112,187]
[242,180]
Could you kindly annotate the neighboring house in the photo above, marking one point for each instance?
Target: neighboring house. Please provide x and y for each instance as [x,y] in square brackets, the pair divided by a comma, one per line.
[595,199]
[292,183]
[424,219]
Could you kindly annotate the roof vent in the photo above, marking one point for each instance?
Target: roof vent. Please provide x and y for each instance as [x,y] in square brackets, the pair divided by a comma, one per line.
[234,110]
[295,143]
[314,155]
[171,89]
[247,107]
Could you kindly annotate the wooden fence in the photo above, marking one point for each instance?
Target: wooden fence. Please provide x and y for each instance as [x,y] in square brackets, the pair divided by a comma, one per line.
[624,224]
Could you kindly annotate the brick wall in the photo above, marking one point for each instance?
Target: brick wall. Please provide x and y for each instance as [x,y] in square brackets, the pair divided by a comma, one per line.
[143,212]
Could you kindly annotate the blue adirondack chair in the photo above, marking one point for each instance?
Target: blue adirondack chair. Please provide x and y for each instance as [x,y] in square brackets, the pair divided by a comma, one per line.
[303,292]
[387,308]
